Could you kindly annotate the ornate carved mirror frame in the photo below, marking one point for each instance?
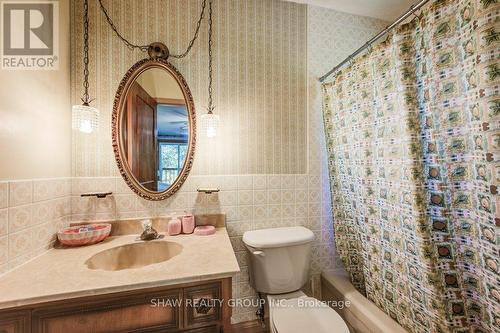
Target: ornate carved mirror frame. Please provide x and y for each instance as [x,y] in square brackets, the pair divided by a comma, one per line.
[118,110]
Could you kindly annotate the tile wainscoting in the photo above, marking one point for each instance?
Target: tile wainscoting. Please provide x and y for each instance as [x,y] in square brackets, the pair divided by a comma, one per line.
[31,211]
[249,201]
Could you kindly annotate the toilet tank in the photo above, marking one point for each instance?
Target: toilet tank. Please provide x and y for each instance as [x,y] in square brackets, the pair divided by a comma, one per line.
[279,258]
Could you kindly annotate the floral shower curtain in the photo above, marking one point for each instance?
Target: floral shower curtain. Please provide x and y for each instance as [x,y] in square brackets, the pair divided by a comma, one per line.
[414,144]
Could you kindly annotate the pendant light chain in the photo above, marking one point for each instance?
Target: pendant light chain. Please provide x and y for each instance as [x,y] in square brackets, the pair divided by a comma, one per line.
[211,107]
[196,32]
[85,118]
[86,97]
[113,27]
[144,48]
[210,121]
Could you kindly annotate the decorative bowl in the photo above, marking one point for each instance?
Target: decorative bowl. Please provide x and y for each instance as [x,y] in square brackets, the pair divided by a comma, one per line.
[80,235]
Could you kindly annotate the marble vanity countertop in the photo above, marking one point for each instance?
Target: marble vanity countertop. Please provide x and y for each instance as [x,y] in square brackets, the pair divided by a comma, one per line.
[62,274]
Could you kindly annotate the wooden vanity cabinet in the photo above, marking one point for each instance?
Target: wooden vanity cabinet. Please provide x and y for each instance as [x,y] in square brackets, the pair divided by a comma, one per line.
[189,308]
[15,321]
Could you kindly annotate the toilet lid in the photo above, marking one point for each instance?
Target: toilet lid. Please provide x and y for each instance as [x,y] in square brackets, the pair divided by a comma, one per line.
[306,314]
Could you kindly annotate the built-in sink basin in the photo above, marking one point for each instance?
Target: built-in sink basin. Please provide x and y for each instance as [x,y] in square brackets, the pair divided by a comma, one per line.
[134,255]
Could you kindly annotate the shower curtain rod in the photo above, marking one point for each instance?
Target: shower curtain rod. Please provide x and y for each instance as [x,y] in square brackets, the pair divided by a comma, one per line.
[368,44]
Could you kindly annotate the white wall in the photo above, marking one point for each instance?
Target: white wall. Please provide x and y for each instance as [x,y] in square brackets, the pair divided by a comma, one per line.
[35,116]
[35,142]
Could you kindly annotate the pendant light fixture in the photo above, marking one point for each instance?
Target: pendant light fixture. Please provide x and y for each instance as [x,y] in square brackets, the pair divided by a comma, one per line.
[210,121]
[85,117]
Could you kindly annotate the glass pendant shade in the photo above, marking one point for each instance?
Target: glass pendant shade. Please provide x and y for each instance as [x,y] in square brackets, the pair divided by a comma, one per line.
[85,118]
[210,124]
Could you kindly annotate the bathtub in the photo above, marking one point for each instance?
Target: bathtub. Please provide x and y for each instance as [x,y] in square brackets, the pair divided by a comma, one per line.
[361,315]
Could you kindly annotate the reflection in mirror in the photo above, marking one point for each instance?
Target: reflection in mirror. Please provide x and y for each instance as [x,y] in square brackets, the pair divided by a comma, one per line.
[155,129]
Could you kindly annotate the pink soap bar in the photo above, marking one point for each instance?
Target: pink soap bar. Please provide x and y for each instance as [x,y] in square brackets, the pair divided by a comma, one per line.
[174,227]
[204,230]
[188,224]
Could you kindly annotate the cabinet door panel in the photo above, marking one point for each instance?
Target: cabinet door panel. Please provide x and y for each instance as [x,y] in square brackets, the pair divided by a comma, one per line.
[123,315]
[15,322]
[203,305]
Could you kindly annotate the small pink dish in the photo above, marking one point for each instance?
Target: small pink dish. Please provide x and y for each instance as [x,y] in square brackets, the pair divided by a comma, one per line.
[204,230]
[84,234]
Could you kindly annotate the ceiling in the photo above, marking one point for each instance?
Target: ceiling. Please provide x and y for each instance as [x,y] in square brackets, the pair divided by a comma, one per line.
[172,120]
[387,10]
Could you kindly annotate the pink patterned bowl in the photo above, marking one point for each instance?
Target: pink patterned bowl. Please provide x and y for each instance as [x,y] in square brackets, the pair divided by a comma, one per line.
[84,234]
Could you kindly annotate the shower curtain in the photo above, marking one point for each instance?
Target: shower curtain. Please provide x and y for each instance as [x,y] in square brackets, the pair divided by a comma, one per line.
[413,141]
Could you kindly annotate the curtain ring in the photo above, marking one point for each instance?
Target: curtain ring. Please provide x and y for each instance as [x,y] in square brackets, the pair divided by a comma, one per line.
[370,47]
[350,60]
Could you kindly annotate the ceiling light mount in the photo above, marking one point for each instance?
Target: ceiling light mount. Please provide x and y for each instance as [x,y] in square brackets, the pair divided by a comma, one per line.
[158,50]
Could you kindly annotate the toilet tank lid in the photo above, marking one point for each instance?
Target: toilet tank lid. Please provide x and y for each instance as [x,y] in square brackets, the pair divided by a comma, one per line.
[277,237]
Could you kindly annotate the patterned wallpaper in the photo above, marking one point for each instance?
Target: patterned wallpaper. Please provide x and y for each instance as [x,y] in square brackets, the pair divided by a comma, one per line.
[260,79]
[270,159]
[331,37]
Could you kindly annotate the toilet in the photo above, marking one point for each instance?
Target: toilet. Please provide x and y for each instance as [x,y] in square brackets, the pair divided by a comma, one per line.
[279,267]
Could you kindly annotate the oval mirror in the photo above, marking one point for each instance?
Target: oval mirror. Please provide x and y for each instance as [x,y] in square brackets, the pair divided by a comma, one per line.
[154,129]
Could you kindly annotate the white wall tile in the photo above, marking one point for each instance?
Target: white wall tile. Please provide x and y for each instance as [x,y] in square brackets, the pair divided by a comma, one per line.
[245,197]
[4,250]
[228,198]
[259,182]
[260,197]
[31,204]
[301,195]
[20,193]
[20,218]
[274,181]
[245,182]
[121,187]
[288,181]
[301,181]
[231,213]
[260,212]
[43,211]
[82,205]
[229,183]
[19,244]
[4,195]
[43,235]
[106,205]
[245,212]
[125,202]
[288,196]
[274,197]
[43,190]
[4,222]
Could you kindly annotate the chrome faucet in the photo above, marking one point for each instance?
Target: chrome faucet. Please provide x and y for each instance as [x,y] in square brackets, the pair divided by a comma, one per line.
[149,232]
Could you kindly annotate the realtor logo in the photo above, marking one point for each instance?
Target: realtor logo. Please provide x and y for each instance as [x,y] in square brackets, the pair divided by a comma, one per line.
[30,35]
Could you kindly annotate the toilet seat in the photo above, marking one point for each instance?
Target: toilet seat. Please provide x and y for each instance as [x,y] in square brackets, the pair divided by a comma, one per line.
[305,314]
